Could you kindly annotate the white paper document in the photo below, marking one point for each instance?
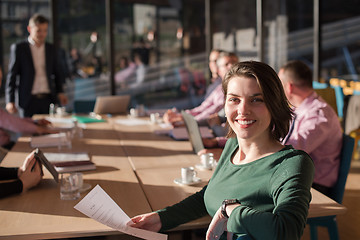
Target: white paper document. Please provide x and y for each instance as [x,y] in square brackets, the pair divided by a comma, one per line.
[50,140]
[98,205]
[132,122]
[67,157]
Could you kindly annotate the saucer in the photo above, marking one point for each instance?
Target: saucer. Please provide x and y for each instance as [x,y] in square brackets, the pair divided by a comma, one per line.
[202,167]
[180,182]
[85,187]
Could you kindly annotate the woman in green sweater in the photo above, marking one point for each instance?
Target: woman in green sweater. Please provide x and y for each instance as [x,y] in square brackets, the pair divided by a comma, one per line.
[260,188]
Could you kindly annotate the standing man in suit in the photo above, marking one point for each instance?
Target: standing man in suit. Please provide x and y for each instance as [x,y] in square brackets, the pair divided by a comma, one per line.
[34,78]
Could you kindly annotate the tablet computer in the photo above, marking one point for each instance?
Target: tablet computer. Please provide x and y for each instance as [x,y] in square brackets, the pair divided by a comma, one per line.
[39,156]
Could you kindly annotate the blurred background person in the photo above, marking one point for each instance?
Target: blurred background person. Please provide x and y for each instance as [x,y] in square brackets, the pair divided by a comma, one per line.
[140,69]
[76,70]
[215,79]
[141,48]
[127,68]
[213,103]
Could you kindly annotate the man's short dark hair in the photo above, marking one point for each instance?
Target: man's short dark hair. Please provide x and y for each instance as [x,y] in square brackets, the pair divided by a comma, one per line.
[302,74]
[38,19]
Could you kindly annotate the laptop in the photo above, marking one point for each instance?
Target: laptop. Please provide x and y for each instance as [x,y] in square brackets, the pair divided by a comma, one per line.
[193,132]
[112,104]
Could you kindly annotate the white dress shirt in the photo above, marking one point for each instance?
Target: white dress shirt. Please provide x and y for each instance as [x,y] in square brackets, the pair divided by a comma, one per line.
[40,84]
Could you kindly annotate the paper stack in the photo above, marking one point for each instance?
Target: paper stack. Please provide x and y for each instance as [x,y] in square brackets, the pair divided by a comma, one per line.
[51,140]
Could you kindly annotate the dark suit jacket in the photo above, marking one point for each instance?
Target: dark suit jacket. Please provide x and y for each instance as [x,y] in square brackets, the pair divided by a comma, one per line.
[11,187]
[21,73]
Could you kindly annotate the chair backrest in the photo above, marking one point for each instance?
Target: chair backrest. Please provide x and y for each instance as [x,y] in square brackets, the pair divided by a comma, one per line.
[337,192]
[328,94]
[339,100]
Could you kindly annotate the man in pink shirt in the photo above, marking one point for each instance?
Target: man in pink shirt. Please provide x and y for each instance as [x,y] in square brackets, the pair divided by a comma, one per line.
[316,128]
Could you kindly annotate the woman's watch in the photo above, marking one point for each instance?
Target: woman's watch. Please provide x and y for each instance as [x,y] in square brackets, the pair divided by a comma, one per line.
[224,205]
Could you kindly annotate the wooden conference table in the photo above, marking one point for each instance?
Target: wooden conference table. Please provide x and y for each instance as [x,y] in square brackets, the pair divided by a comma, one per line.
[135,167]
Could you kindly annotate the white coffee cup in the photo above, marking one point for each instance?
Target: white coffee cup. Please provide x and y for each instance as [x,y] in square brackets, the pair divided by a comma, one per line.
[188,174]
[60,111]
[134,112]
[207,160]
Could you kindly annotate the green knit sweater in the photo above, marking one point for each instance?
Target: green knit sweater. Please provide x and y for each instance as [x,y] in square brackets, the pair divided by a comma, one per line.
[274,192]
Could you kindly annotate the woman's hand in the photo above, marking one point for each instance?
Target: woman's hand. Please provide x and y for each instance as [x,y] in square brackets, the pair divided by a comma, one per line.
[173,117]
[217,227]
[30,173]
[27,162]
[148,221]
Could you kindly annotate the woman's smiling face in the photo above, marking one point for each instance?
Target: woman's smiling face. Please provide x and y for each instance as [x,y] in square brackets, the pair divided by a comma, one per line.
[246,110]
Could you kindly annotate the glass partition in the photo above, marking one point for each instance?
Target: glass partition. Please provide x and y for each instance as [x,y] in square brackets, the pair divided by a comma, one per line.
[340,40]
[288,32]
[160,46]
[160,54]
[233,26]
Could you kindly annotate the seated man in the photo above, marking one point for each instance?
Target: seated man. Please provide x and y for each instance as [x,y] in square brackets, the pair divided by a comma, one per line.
[213,103]
[315,128]
[23,178]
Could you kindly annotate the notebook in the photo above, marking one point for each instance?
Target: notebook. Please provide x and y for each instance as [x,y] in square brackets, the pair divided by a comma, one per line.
[193,132]
[111,104]
[70,162]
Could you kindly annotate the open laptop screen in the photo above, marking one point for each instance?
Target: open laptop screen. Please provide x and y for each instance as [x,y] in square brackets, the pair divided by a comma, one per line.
[111,104]
[193,131]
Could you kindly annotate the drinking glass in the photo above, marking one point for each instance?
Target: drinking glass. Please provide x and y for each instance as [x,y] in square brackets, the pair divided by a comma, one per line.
[69,187]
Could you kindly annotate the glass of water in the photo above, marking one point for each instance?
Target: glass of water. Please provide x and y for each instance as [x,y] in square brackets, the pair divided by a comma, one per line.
[69,187]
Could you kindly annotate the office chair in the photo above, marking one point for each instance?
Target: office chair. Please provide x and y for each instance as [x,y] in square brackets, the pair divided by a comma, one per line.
[356,135]
[329,95]
[337,192]
[338,87]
